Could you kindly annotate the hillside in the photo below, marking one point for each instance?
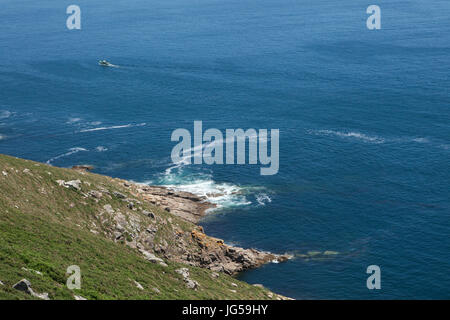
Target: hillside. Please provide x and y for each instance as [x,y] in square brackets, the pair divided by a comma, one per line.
[130,241]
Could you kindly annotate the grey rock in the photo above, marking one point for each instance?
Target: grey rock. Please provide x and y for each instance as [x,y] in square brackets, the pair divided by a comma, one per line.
[75,184]
[152,229]
[191,284]
[95,194]
[184,272]
[151,257]
[117,235]
[31,270]
[156,290]
[138,285]
[79,297]
[149,214]
[119,195]
[25,286]
[108,208]
[43,296]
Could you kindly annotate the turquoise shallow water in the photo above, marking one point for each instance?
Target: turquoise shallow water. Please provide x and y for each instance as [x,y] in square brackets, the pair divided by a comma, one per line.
[363,115]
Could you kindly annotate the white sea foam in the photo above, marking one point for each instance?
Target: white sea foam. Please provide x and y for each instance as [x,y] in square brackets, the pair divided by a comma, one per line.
[73,120]
[113,127]
[421,140]
[70,152]
[221,194]
[198,150]
[350,134]
[263,198]
[101,149]
[2,137]
[225,195]
[370,139]
[5,114]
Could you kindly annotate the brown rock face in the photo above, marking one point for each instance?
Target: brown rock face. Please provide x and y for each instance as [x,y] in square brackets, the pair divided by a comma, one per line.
[182,204]
[193,248]
[218,256]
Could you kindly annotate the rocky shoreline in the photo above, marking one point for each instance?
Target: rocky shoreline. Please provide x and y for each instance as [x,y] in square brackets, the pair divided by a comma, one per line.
[133,239]
[193,248]
[207,252]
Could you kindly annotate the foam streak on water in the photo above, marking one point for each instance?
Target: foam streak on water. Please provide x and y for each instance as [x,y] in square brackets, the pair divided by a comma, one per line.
[70,152]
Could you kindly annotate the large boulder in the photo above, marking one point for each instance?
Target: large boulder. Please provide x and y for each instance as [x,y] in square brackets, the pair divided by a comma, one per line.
[25,286]
[74,184]
[152,258]
[190,284]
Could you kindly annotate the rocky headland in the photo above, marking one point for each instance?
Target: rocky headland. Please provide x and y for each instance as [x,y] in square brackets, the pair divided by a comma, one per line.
[137,241]
[194,248]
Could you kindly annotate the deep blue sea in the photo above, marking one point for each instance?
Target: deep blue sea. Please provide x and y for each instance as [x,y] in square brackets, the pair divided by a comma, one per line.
[364,119]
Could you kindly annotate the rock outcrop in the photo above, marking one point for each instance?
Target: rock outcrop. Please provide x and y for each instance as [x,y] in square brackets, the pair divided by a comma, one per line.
[25,286]
[191,284]
[75,184]
[182,204]
[139,228]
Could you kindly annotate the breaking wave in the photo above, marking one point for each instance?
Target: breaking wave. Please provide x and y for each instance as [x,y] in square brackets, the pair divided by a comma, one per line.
[101,149]
[223,195]
[263,198]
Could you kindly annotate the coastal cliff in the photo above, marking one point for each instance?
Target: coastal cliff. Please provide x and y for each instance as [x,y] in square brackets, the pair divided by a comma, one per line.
[194,247]
[121,234]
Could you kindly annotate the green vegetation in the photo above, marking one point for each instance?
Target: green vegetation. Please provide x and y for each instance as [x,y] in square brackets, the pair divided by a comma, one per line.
[46,227]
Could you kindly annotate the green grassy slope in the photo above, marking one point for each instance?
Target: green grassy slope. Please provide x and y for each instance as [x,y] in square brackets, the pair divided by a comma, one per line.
[45,227]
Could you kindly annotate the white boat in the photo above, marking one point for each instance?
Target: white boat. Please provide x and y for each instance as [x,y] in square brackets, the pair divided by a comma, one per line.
[105,63]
